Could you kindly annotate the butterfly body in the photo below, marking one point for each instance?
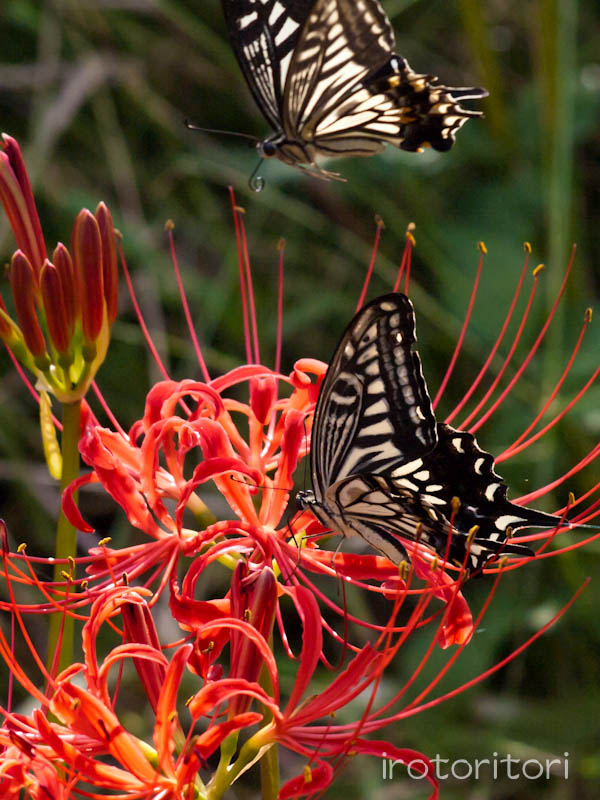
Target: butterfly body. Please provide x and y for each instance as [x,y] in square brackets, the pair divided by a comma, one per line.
[383,468]
[325,75]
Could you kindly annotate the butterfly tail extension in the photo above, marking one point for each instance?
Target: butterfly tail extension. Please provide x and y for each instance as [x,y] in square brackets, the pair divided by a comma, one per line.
[431,113]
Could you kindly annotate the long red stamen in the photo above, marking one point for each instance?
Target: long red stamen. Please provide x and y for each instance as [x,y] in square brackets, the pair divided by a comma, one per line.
[140,317]
[526,499]
[484,418]
[463,331]
[483,675]
[107,410]
[406,259]
[250,289]
[186,307]
[281,248]
[236,221]
[509,355]
[514,448]
[380,225]
[509,450]
[497,343]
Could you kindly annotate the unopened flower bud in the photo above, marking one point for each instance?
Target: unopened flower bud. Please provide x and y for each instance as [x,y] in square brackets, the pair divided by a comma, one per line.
[70,292]
[17,198]
[22,282]
[87,259]
[109,261]
[54,306]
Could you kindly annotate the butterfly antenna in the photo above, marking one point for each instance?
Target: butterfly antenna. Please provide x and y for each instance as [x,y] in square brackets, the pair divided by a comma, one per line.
[256,182]
[190,126]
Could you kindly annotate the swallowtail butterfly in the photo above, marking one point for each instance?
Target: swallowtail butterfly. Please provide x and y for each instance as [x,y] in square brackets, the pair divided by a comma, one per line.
[380,464]
[325,76]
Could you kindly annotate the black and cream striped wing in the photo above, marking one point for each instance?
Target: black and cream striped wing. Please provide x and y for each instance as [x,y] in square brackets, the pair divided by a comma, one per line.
[381,509]
[373,412]
[341,43]
[264,35]
[347,92]
[416,500]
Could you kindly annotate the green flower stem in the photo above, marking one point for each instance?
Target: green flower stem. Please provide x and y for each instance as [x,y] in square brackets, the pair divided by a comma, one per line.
[476,27]
[222,778]
[66,541]
[203,515]
[269,763]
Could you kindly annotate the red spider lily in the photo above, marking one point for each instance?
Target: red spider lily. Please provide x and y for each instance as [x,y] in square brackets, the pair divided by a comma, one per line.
[233,649]
[88,726]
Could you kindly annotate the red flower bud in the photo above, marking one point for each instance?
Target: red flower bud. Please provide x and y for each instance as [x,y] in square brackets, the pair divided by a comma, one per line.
[54,306]
[70,291]
[139,627]
[109,261]
[22,281]
[87,258]
[17,198]
[253,599]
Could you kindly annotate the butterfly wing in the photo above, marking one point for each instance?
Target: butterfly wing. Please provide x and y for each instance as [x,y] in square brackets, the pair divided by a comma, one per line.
[373,412]
[458,467]
[342,41]
[393,105]
[264,34]
[347,93]
[380,510]
[382,467]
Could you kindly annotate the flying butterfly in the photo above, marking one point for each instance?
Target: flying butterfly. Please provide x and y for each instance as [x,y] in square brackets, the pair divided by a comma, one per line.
[326,78]
[381,465]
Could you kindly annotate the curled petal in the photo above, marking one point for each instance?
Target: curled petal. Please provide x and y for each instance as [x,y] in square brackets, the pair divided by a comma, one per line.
[418,762]
[212,695]
[312,642]
[69,506]
[164,397]
[313,779]
[239,375]
[262,396]
[86,715]
[213,468]
[166,713]
[117,480]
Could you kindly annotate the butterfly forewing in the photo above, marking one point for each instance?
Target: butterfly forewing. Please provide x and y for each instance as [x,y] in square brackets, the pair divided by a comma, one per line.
[342,41]
[264,35]
[373,412]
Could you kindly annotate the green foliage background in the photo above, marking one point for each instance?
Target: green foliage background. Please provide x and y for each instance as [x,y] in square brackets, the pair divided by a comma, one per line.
[96,93]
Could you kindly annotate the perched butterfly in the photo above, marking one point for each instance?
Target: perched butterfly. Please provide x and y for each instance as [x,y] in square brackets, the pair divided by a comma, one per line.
[381,465]
[325,76]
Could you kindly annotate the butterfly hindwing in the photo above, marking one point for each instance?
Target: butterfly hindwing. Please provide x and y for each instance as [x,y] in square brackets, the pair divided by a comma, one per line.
[462,469]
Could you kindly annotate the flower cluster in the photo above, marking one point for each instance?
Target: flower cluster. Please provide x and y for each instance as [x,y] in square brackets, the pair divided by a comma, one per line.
[243,677]
[64,307]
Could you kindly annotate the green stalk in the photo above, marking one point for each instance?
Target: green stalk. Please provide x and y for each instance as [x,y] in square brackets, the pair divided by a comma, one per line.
[476,28]
[556,56]
[62,626]
[557,48]
[269,763]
